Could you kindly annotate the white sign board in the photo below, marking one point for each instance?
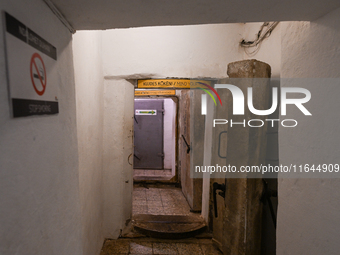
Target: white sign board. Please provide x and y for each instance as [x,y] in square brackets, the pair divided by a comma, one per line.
[32,74]
[146,112]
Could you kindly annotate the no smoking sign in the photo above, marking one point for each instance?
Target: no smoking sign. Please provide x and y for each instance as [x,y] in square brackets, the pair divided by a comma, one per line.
[32,71]
[38,74]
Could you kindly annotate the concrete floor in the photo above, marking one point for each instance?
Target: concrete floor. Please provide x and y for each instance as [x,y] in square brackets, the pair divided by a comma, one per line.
[159,200]
[191,246]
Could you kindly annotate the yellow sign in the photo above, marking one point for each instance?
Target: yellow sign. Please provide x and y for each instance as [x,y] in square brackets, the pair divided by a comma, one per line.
[172,83]
[154,92]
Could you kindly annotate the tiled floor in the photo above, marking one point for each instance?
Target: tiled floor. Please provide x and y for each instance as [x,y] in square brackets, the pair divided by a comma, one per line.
[159,200]
[189,246]
[139,174]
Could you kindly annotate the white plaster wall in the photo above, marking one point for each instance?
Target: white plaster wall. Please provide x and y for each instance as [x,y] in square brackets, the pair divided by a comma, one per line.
[184,51]
[169,134]
[177,51]
[269,51]
[90,110]
[117,155]
[39,190]
[308,213]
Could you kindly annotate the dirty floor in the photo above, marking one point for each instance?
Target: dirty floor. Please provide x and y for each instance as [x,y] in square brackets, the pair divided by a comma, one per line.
[190,246]
[159,200]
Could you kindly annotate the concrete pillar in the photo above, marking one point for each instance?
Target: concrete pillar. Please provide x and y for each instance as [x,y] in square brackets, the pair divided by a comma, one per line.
[246,146]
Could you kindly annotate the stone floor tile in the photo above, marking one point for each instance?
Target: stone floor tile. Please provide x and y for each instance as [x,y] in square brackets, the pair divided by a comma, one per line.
[154,198]
[180,198]
[209,249]
[154,203]
[139,191]
[162,196]
[166,212]
[138,194]
[171,204]
[140,248]
[188,246]
[139,202]
[176,192]
[189,249]
[171,211]
[111,247]
[175,211]
[152,193]
[187,240]
[165,193]
[138,197]
[155,210]
[140,209]
[168,199]
[164,248]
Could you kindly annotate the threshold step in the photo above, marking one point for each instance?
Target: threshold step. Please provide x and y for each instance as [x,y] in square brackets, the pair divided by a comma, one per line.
[168,226]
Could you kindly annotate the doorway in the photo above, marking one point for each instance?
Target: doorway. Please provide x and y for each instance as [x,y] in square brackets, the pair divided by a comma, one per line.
[155,139]
[159,205]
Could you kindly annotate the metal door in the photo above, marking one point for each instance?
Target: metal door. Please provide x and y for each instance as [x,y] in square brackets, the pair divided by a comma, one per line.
[148,130]
[238,197]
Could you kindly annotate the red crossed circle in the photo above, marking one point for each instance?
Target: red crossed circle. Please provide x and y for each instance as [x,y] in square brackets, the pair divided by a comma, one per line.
[41,79]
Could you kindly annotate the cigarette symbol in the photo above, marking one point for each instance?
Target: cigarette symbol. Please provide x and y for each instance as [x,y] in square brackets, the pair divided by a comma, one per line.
[41,74]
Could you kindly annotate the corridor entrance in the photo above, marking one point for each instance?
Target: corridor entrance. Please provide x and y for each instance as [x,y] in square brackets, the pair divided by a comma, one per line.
[160,208]
[153,212]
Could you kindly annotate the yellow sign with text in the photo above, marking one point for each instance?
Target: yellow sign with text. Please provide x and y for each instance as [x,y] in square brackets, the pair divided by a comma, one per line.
[155,92]
[172,83]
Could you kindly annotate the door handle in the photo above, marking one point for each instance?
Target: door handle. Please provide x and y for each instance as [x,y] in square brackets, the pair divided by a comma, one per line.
[267,193]
[217,186]
[219,144]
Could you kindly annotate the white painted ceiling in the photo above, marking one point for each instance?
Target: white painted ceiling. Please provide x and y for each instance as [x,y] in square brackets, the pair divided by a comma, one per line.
[105,14]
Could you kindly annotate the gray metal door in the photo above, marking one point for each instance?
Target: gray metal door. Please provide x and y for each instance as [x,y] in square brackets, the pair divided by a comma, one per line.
[148,130]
